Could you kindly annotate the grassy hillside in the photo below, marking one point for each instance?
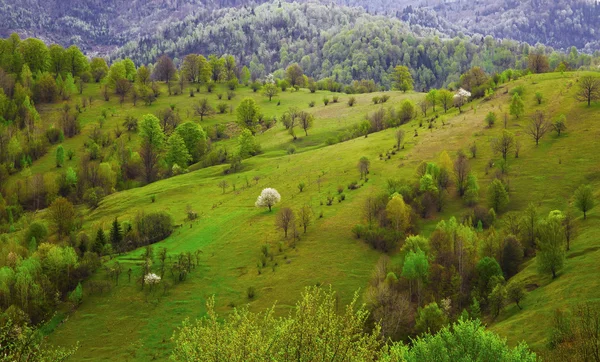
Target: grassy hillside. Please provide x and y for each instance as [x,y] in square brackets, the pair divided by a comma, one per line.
[128,324]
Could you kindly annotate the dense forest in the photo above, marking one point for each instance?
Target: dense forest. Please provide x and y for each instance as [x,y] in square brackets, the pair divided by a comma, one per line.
[102,27]
[342,43]
[559,24]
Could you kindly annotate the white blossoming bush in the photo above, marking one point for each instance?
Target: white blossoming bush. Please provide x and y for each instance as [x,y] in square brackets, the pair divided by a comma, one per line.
[268,197]
[151,279]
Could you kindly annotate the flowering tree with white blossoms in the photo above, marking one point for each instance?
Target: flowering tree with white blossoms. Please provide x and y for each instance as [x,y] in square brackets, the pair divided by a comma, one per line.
[151,279]
[268,197]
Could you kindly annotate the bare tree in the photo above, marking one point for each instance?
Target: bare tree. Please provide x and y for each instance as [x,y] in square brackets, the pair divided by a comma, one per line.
[165,70]
[305,215]
[569,227]
[223,185]
[504,143]
[538,126]
[363,166]
[122,88]
[203,109]
[461,171]
[589,89]
[399,138]
[424,104]
[285,218]
[306,121]
[169,120]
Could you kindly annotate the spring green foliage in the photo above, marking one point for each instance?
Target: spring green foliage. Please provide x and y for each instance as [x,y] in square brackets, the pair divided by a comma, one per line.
[472,190]
[415,268]
[446,99]
[584,199]
[406,111]
[313,330]
[552,246]
[60,156]
[490,119]
[515,292]
[247,144]
[431,318]
[76,296]
[177,152]
[488,270]
[560,125]
[432,98]
[152,144]
[270,90]
[247,114]
[497,299]
[194,138]
[402,78]
[517,107]
[23,343]
[497,195]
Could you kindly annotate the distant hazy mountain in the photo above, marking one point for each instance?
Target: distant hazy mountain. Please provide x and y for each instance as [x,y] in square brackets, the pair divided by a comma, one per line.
[98,24]
[557,23]
[104,25]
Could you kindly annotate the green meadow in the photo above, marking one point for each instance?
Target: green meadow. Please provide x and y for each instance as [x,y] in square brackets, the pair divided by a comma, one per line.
[128,324]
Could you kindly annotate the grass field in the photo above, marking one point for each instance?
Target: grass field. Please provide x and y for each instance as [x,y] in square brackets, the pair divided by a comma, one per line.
[128,324]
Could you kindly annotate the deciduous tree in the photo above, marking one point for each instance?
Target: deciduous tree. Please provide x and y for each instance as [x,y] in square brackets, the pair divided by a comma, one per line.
[247,114]
[515,291]
[446,99]
[62,214]
[363,166]
[285,219]
[538,63]
[294,75]
[504,144]
[402,78]
[588,89]
[461,172]
[270,90]
[305,216]
[497,195]
[517,107]
[152,144]
[177,152]
[551,255]
[268,198]
[203,109]
[584,199]
[538,126]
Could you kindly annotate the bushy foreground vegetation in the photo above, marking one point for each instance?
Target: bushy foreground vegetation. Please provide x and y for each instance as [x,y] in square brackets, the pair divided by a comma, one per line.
[320,329]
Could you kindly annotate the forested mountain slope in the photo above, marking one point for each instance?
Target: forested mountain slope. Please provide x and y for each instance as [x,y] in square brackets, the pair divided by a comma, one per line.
[95,25]
[103,26]
[560,24]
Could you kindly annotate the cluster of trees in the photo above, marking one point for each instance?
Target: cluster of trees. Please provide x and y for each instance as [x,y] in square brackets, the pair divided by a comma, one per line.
[463,265]
[316,329]
[40,269]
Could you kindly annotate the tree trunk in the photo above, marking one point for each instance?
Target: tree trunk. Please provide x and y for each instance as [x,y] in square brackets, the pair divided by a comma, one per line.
[519,306]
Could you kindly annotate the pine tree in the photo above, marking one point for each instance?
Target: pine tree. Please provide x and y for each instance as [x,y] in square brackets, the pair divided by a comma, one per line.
[100,242]
[116,235]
